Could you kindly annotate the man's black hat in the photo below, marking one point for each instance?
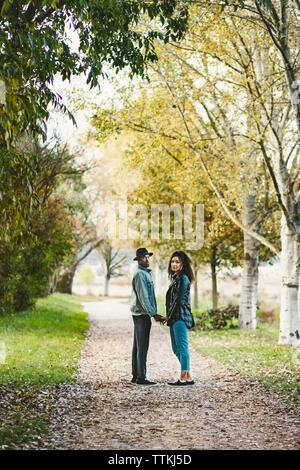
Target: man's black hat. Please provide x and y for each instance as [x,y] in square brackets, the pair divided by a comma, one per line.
[140,252]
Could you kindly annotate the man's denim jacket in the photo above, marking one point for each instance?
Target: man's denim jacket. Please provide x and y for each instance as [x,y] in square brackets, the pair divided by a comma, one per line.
[143,297]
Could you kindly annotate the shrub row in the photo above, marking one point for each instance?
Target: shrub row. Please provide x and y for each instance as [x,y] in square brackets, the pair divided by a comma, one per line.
[214,319]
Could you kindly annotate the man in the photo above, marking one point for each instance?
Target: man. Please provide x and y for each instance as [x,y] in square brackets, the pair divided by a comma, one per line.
[143,308]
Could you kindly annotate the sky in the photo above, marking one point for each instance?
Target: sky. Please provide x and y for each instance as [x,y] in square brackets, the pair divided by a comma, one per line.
[60,123]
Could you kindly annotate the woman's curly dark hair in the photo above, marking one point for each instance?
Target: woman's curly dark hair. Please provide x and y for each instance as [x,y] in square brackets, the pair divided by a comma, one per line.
[186,265]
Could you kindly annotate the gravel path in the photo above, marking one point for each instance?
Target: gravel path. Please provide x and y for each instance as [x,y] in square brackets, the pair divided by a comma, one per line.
[102,410]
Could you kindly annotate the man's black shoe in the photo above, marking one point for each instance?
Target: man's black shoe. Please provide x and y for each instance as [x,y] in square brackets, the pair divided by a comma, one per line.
[133,380]
[178,383]
[145,382]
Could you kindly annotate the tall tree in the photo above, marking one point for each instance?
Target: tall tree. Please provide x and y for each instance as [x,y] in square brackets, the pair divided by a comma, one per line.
[35,47]
[153,113]
[31,253]
[280,21]
[113,263]
[272,132]
[165,181]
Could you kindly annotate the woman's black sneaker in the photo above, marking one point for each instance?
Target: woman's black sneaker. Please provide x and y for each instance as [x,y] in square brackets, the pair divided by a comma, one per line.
[178,383]
[190,382]
[145,382]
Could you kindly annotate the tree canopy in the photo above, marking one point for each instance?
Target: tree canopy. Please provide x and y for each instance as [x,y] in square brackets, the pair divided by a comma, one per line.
[35,46]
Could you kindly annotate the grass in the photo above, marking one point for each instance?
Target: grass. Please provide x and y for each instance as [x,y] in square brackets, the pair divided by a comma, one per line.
[40,348]
[254,353]
[88,298]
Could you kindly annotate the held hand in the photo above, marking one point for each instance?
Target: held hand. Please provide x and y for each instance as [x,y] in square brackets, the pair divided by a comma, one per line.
[160,318]
[157,317]
[164,320]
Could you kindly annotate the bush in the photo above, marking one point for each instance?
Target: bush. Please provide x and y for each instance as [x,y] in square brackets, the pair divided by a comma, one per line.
[215,319]
[26,267]
[86,275]
[39,219]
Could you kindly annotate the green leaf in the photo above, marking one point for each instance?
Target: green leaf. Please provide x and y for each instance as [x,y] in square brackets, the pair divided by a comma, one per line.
[6,6]
[31,40]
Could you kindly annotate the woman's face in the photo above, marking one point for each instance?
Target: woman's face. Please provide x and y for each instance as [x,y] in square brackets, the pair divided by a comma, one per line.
[176,264]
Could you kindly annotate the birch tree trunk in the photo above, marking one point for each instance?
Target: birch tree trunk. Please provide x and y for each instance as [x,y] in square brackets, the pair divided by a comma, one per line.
[213,264]
[159,279]
[289,309]
[248,297]
[106,285]
[289,333]
[284,180]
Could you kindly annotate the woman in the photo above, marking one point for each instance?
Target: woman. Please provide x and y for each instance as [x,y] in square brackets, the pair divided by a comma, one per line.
[178,312]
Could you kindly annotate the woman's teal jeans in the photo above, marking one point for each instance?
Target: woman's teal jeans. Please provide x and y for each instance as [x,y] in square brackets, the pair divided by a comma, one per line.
[180,343]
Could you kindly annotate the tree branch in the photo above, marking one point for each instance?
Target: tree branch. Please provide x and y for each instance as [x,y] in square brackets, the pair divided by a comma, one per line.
[219,196]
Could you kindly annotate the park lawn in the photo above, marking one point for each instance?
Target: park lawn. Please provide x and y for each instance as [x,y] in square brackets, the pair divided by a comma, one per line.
[39,350]
[254,353]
